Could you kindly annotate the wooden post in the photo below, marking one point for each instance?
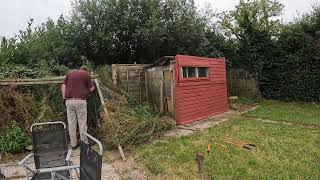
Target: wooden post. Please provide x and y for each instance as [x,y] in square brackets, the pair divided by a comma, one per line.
[114,75]
[101,97]
[121,153]
[146,84]
[107,113]
[140,84]
[128,81]
[161,96]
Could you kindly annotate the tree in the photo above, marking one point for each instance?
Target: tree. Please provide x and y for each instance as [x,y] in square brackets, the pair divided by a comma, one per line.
[254,26]
[140,30]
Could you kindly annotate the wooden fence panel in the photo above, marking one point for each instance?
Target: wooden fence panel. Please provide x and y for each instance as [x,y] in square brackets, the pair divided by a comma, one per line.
[241,83]
[131,78]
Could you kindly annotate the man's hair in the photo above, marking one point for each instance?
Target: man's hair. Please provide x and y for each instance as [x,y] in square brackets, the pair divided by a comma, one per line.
[85,68]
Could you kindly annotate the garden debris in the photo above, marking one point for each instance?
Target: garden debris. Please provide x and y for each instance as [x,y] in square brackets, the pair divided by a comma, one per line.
[128,122]
[40,81]
[16,105]
[200,160]
[241,144]
[249,146]
[234,107]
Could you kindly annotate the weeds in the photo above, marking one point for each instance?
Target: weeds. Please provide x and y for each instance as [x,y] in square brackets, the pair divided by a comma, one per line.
[131,125]
[129,121]
[14,140]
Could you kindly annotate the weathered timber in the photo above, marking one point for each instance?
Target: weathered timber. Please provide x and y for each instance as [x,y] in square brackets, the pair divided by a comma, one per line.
[107,113]
[40,79]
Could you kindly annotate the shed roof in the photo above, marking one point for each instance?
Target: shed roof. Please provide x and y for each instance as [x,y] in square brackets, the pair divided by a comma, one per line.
[165,60]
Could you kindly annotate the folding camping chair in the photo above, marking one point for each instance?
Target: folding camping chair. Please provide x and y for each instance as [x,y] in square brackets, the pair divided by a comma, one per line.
[90,159]
[50,152]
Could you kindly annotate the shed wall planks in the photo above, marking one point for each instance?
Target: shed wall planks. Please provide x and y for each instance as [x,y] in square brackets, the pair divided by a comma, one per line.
[200,98]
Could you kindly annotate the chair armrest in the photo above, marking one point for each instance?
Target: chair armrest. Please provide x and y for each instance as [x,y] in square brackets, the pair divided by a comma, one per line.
[23,161]
[68,157]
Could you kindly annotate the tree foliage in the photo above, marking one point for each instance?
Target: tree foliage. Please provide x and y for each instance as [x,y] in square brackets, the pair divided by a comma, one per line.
[293,73]
[106,32]
[284,57]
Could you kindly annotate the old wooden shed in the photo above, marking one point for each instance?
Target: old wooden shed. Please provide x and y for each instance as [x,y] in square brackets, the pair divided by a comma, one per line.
[188,88]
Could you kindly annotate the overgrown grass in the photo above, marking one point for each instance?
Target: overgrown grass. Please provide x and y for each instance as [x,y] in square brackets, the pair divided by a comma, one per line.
[283,151]
[302,113]
[129,122]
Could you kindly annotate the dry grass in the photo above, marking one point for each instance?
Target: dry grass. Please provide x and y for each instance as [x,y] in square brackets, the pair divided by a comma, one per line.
[17,106]
[129,122]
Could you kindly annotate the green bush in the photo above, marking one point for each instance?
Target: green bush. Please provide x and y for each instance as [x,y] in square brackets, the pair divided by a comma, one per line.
[14,140]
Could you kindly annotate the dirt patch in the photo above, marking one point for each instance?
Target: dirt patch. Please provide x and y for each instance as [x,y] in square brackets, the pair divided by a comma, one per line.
[128,169]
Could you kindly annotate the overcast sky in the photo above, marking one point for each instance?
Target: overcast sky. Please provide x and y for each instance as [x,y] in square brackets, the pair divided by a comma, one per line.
[14,14]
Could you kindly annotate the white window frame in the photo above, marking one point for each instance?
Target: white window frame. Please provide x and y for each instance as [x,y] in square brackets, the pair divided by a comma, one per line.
[197,73]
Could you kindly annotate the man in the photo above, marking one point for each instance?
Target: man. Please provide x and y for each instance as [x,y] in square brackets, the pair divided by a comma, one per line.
[75,88]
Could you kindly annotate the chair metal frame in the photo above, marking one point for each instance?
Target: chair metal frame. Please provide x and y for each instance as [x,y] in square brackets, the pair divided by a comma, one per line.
[52,170]
[86,135]
[96,141]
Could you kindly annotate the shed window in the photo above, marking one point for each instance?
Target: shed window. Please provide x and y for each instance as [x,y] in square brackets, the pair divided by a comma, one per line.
[184,72]
[190,72]
[203,71]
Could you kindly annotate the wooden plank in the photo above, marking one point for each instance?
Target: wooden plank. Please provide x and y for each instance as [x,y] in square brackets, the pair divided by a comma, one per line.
[202,89]
[146,85]
[29,83]
[203,112]
[127,81]
[41,79]
[101,97]
[188,106]
[107,113]
[181,121]
[204,98]
[161,97]
[122,153]
[140,86]
[201,109]
[114,75]
[198,83]
[211,94]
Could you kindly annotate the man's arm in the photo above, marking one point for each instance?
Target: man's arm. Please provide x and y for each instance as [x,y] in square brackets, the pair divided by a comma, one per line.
[90,85]
[63,91]
[64,87]
[92,88]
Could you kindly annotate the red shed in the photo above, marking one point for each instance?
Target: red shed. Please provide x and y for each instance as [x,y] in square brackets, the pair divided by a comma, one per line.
[190,88]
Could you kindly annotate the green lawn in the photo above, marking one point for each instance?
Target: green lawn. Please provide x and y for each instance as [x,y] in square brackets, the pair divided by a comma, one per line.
[302,113]
[282,152]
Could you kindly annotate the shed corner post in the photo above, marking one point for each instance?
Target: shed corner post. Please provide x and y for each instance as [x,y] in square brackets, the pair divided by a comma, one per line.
[146,83]
[114,75]
[161,96]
